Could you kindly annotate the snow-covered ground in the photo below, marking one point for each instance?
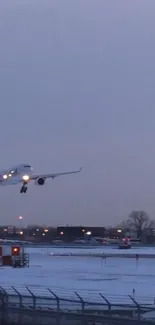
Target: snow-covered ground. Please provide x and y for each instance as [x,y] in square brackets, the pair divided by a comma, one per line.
[91,251]
[115,278]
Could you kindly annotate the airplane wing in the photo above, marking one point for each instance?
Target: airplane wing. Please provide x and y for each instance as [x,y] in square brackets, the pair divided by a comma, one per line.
[34,177]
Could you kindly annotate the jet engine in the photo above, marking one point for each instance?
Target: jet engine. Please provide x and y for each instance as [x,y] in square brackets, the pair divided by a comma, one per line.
[40,181]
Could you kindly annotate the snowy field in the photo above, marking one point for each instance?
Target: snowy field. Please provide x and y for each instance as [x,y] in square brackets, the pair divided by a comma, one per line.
[115,278]
[91,250]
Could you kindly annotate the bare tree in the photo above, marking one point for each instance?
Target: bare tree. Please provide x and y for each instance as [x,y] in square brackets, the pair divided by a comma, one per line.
[138,221]
[152,224]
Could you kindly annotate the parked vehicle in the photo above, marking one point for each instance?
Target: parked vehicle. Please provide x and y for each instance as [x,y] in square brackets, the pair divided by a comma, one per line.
[124,243]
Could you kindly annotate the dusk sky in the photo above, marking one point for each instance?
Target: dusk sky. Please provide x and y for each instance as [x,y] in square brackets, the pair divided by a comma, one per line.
[77,88]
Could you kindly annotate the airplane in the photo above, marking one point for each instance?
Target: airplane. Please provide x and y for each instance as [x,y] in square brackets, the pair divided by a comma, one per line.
[23,174]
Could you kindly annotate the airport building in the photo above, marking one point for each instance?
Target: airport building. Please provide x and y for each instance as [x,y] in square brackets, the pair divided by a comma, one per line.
[69,233]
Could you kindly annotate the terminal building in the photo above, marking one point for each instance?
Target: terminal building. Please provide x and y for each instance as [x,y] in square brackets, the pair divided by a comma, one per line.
[69,233]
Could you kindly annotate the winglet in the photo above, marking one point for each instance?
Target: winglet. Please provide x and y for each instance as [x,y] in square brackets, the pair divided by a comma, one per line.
[80,169]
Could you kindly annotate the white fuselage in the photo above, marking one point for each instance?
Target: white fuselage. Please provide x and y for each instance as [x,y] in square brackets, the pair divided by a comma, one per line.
[23,174]
[16,175]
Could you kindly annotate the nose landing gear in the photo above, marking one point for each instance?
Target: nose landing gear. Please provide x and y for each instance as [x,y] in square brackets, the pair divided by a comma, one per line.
[23,188]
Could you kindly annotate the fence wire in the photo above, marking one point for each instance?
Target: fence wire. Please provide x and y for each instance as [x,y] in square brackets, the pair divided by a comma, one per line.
[47,302]
[42,297]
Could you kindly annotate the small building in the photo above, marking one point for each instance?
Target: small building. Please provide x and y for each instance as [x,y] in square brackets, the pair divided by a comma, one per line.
[70,233]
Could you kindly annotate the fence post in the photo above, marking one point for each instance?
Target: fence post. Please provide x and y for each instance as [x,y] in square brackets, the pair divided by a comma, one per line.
[137,305]
[107,301]
[103,257]
[19,295]
[33,297]
[4,314]
[57,299]
[5,295]
[82,302]
[58,317]
[137,259]
[20,299]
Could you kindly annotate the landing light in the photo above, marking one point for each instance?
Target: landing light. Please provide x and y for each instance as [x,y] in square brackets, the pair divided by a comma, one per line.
[5,176]
[26,178]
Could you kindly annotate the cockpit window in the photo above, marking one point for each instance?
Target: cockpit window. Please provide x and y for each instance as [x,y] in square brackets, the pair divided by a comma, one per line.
[27,166]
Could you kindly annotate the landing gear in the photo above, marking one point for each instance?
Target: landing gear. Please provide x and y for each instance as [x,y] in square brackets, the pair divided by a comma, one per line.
[23,188]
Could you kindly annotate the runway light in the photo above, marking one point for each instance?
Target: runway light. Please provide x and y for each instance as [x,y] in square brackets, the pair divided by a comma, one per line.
[26,178]
[88,233]
[5,176]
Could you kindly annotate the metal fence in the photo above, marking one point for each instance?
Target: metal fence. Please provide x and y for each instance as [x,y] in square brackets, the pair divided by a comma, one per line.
[55,307]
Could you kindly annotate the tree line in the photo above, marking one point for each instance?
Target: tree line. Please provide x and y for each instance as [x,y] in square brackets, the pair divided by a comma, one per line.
[139,221]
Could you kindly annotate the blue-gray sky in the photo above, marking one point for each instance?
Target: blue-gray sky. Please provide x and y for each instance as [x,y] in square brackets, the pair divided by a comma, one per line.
[77,88]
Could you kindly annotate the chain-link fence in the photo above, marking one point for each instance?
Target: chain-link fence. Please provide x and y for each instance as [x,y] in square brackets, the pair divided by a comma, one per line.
[44,305]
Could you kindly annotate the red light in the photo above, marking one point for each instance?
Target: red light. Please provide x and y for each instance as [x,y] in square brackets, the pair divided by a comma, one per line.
[15,251]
